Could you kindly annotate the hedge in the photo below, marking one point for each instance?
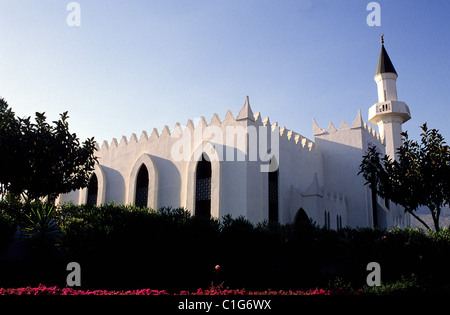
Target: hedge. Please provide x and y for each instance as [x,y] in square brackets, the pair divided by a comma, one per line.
[125,247]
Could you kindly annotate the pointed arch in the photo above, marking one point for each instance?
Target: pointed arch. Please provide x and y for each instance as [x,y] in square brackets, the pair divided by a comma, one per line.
[210,151]
[203,174]
[141,195]
[99,175]
[136,182]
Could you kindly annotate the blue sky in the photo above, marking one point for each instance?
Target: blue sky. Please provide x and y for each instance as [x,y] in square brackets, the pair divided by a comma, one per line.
[137,65]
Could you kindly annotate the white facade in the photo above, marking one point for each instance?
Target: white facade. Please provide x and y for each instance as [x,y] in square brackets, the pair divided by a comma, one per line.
[320,176]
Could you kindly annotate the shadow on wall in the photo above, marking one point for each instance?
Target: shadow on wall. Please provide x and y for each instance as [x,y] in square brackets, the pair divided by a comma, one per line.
[340,168]
[169,185]
[115,186]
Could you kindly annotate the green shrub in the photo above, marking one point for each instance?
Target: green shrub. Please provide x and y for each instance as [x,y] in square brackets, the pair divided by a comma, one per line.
[7,229]
[404,286]
[171,248]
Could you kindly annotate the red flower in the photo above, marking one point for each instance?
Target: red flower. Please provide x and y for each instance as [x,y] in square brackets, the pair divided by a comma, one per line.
[217,267]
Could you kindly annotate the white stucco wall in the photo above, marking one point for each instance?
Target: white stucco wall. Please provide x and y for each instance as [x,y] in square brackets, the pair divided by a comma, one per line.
[342,150]
[320,177]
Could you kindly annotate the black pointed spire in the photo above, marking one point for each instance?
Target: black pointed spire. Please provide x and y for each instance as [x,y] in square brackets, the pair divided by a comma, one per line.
[384,62]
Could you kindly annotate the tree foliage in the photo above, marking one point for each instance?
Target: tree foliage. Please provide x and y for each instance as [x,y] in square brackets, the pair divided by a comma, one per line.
[420,176]
[38,159]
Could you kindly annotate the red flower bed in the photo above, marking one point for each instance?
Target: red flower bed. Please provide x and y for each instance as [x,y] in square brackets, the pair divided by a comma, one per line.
[43,290]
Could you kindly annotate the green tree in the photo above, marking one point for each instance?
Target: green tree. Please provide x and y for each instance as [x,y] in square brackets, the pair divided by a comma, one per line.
[38,159]
[419,177]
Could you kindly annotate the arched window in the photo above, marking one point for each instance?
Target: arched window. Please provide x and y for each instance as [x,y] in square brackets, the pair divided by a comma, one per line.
[141,198]
[203,187]
[92,190]
[143,183]
[273,196]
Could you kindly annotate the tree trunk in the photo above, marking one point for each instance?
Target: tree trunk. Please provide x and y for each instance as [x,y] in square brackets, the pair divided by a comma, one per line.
[419,219]
[435,215]
[374,208]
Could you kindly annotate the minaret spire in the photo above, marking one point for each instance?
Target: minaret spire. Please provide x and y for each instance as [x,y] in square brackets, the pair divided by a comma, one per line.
[384,62]
[388,114]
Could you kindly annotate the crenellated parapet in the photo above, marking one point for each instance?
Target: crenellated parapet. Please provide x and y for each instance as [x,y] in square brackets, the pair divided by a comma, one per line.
[295,139]
[370,133]
[245,119]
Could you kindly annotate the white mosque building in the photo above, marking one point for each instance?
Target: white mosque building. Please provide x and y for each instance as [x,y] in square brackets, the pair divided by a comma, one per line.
[246,166]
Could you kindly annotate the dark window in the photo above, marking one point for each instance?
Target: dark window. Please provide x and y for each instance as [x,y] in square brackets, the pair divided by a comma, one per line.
[92,191]
[327,220]
[273,196]
[141,199]
[329,225]
[339,222]
[203,187]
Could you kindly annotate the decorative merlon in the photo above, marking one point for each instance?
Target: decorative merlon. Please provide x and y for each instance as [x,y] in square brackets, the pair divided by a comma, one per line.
[229,116]
[331,128]
[123,141]
[144,136]
[190,124]
[215,120]
[165,131]
[133,138]
[154,134]
[202,122]
[343,125]
[105,144]
[258,118]
[316,129]
[358,122]
[114,143]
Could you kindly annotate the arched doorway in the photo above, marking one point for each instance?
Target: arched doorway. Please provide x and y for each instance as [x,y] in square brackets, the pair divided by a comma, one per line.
[301,218]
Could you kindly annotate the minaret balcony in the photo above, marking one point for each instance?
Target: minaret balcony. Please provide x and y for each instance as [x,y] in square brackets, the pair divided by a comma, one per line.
[389,108]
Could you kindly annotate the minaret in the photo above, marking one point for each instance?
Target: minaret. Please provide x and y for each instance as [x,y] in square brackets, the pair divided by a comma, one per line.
[388,114]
